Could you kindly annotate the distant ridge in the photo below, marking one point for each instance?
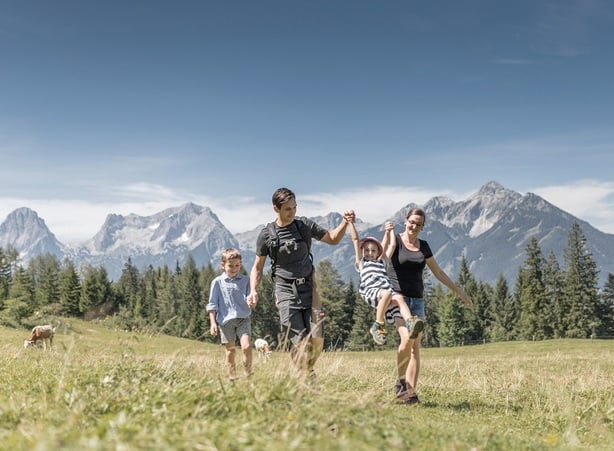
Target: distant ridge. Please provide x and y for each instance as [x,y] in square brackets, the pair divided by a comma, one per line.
[491,228]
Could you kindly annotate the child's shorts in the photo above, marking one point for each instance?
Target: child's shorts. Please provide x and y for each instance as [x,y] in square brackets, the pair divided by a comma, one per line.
[373,296]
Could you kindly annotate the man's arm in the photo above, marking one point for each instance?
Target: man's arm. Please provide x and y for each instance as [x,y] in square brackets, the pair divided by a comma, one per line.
[334,236]
[255,277]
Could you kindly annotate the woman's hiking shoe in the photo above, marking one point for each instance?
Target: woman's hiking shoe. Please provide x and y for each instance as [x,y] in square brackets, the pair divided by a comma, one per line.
[400,388]
[412,400]
[378,332]
[415,325]
[403,394]
[401,391]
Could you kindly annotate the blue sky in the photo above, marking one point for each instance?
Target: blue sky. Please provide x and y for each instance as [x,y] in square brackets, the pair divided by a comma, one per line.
[135,106]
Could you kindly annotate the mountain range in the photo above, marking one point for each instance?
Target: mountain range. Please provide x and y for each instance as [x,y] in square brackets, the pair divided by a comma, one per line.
[491,228]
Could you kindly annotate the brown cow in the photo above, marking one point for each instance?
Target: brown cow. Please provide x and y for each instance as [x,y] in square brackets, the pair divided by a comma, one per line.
[40,333]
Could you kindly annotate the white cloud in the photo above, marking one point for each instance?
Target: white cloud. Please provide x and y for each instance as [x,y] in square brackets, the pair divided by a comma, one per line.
[372,204]
[74,221]
[590,200]
[513,61]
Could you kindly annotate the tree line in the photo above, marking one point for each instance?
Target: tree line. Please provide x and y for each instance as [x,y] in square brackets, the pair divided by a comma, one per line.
[548,300]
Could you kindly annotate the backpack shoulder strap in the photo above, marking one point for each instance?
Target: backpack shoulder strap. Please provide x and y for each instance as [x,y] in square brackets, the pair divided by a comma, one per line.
[272,242]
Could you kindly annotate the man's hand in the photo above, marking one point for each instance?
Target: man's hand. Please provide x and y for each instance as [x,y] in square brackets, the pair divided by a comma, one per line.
[252,300]
[349,216]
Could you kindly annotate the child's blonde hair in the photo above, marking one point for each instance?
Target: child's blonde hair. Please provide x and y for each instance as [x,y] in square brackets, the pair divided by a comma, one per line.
[229,254]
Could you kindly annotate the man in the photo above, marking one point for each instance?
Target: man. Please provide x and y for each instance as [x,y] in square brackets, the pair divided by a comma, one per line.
[287,242]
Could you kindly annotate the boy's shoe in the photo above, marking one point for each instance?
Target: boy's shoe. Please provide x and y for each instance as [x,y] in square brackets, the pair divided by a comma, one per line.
[378,332]
[415,325]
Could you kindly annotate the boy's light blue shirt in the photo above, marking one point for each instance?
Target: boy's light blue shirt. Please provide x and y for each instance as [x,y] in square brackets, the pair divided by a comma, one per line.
[228,297]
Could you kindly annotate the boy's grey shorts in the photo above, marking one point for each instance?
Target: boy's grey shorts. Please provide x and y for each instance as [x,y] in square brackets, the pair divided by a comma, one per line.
[235,328]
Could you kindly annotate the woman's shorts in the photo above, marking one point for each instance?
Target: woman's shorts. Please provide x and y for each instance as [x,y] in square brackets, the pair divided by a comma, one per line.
[416,307]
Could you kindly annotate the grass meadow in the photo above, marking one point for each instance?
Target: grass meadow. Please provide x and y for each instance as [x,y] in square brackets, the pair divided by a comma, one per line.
[103,389]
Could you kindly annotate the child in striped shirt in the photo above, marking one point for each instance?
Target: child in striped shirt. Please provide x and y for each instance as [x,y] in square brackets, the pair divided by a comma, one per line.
[375,287]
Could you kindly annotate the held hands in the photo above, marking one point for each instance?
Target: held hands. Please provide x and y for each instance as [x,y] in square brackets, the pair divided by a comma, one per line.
[349,216]
[252,300]
[388,226]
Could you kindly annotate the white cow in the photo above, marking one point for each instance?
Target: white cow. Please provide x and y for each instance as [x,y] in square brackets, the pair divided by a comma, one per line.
[262,346]
[40,333]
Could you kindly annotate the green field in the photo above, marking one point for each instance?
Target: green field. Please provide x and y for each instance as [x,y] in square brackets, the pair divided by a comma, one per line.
[105,389]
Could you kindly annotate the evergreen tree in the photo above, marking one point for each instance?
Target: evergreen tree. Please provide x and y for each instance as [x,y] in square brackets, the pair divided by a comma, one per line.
[45,272]
[205,278]
[502,313]
[360,339]
[477,316]
[449,323]
[338,323]
[22,287]
[517,302]
[167,301]
[190,296]
[555,300]
[5,276]
[70,290]
[452,328]
[605,310]
[20,303]
[128,290]
[434,298]
[484,299]
[96,293]
[265,317]
[580,320]
[532,294]
[149,295]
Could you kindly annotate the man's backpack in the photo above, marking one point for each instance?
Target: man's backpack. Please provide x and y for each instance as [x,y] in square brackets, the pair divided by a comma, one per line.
[273,244]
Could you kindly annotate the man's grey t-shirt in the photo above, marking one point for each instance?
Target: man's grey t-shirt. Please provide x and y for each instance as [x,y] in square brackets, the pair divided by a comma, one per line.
[293,260]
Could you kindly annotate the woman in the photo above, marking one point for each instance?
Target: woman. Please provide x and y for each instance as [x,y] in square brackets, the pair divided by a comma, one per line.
[408,260]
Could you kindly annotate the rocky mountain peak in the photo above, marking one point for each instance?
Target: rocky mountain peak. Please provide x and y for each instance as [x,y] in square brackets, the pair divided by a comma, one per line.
[25,231]
[491,229]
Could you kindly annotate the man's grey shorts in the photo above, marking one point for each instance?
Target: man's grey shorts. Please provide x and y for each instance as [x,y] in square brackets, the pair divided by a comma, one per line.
[294,304]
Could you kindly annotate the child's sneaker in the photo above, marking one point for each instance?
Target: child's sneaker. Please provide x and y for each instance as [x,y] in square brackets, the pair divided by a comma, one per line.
[378,332]
[415,325]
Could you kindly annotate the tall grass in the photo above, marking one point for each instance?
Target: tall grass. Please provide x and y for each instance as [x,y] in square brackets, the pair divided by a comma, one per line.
[106,390]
